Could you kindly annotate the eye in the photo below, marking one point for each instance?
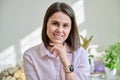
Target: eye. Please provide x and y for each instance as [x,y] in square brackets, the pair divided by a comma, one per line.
[65,25]
[55,23]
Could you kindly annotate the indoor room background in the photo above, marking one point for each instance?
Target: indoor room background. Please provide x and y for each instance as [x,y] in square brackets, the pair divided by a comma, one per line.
[21,22]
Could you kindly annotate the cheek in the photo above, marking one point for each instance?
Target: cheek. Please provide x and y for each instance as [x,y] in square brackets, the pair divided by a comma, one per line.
[68,32]
[49,31]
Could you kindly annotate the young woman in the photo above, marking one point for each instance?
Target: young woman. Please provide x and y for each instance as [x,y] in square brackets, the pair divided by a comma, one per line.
[60,56]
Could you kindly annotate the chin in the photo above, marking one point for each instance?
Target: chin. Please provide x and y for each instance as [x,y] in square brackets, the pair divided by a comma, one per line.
[59,42]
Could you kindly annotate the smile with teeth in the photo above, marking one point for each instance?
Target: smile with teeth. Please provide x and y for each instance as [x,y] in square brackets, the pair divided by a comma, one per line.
[58,36]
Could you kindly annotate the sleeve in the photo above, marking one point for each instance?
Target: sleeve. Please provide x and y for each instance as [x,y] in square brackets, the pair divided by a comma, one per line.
[82,70]
[29,69]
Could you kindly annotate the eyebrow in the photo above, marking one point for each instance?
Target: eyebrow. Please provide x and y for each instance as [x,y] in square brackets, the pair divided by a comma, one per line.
[53,20]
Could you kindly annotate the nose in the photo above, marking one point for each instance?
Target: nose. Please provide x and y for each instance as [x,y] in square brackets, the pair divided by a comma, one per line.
[60,29]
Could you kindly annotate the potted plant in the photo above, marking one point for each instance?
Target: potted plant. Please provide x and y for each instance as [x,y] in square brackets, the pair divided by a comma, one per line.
[112,58]
[85,42]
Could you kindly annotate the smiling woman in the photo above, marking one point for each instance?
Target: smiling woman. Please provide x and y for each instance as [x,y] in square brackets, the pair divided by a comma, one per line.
[60,52]
[58,27]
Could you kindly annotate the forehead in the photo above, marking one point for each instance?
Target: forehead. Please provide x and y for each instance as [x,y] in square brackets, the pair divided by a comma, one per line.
[60,16]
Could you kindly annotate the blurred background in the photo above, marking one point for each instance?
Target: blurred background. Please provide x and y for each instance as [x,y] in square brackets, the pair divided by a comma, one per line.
[21,22]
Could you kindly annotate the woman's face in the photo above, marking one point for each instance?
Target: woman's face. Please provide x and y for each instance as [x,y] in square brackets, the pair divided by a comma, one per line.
[58,27]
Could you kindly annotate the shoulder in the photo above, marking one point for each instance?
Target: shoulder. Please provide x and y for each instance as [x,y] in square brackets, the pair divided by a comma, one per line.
[81,52]
[33,50]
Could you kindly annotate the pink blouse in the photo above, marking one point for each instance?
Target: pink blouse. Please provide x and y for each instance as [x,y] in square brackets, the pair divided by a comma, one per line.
[40,64]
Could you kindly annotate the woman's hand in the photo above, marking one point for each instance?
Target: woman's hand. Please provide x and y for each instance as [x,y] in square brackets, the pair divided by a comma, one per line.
[60,50]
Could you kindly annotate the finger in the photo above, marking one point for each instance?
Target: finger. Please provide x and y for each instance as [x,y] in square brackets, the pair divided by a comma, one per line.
[51,44]
[53,49]
[55,53]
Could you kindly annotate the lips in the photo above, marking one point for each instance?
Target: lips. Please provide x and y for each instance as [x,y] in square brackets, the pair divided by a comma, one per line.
[58,36]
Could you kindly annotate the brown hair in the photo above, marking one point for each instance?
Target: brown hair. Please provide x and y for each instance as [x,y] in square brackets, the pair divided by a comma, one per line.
[73,39]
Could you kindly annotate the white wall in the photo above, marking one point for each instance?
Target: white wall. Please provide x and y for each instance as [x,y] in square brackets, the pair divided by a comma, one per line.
[102,19]
[21,18]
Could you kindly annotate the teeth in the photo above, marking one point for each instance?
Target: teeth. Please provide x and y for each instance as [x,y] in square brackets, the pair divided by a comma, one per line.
[56,35]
